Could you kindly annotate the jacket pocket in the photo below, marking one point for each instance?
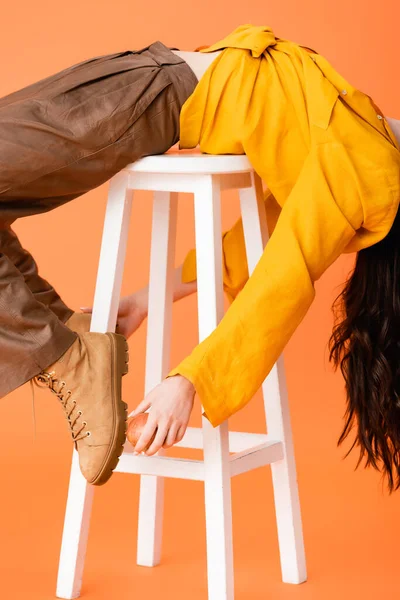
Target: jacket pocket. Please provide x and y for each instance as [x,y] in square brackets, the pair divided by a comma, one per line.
[321,98]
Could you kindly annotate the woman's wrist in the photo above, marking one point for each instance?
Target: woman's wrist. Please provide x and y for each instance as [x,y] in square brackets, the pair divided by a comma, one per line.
[140,300]
[184,384]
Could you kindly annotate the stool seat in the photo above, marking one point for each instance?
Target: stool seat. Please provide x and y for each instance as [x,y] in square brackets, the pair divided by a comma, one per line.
[193,163]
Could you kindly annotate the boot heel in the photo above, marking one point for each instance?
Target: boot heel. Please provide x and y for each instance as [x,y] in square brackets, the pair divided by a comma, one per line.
[123,353]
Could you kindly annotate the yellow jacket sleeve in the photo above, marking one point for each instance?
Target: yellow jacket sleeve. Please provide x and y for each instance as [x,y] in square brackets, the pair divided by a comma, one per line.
[235,269]
[311,233]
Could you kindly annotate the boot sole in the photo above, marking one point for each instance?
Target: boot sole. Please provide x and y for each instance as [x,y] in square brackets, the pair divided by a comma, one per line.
[120,359]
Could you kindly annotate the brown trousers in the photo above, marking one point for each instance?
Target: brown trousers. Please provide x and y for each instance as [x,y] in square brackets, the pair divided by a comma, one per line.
[59,138]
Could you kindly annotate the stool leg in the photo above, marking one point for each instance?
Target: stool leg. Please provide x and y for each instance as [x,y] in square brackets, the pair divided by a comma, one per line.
[76,529]
[157,362]
[112,254]
[287,504]
[105,309]
[217,483]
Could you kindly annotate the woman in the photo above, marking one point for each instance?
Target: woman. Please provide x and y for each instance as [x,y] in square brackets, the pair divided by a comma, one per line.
[309,133]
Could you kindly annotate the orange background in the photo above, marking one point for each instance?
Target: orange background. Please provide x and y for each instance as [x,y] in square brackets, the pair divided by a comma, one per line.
[351,526]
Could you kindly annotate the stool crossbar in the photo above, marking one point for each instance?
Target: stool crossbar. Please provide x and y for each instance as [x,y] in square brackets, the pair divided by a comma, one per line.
[225,453]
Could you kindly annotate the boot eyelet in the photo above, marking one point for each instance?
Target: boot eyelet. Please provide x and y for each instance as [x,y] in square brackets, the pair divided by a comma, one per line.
[79,412]
[84,423]
[88,434]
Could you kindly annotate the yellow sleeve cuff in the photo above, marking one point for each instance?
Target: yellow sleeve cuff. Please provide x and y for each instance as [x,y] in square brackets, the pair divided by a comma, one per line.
[216,412]
[189,272]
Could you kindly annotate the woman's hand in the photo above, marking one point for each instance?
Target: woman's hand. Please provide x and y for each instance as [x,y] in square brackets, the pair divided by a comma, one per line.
[171,403]
[132,311]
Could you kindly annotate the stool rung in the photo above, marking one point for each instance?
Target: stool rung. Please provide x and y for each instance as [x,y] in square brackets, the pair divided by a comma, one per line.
[185,468]
[238,440]
[163,466]
[256,457]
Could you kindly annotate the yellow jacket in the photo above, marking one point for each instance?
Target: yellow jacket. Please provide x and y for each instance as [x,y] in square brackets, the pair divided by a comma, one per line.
[332,167]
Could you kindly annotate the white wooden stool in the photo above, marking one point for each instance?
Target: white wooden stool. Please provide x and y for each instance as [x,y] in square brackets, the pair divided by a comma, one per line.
[205,176]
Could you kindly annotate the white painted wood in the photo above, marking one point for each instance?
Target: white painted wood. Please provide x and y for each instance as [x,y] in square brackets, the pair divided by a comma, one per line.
[184,182]
[162,259]
[210,296]
[75,534]
[192,162]
[205,176]
[105,309]
[163,182]
[284,477]
[238,440]
[217,485]
[287,504]
[256,457]
[162,262]
[163,466]
[112,255]
[254,221]
[183,468]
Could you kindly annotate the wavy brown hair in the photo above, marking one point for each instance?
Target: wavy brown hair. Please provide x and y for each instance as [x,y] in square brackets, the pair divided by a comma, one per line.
[365,344]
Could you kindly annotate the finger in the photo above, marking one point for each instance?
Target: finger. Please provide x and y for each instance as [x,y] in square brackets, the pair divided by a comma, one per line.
[162,432]
[146,435]
[86,309]
[171,436]
[181,433]
[141,407]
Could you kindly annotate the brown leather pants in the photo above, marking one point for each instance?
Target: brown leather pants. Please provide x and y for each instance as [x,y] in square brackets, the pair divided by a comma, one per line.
[59,138]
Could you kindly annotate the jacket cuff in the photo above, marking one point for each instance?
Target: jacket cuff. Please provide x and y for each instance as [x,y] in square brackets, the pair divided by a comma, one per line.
[189,274]
[215,411]
[189,271]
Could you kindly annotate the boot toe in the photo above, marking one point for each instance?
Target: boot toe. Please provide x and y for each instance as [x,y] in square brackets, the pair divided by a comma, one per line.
[97,463]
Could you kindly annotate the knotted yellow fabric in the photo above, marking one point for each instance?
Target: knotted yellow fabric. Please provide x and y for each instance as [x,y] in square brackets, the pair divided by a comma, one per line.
[332,167]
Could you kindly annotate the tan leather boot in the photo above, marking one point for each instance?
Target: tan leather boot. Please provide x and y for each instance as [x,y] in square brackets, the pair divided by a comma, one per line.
[80,322]
[87,381]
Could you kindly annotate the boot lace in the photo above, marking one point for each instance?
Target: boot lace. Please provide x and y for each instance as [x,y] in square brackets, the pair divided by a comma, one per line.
[57,387]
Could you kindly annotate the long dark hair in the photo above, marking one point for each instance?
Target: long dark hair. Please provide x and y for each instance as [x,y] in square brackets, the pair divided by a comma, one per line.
[365,343]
